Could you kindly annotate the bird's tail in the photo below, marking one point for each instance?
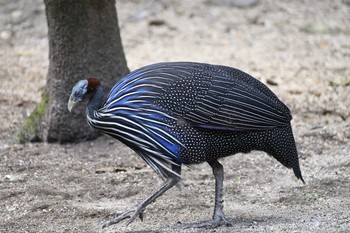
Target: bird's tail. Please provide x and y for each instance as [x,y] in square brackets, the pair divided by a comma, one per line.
[284,149]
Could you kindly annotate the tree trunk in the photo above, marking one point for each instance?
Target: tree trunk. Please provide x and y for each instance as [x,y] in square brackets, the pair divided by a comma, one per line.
[84,42]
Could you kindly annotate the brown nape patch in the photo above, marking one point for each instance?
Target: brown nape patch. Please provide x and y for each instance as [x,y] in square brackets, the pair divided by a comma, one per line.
[93,83]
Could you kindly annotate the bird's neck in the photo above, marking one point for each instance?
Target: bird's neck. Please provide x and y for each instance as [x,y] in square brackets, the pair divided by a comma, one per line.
[95,102]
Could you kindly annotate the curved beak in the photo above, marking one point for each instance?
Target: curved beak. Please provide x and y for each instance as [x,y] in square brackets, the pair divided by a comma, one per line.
[71,104]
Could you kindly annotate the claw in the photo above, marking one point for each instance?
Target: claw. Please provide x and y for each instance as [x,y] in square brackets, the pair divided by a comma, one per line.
[133,217]
[132,214]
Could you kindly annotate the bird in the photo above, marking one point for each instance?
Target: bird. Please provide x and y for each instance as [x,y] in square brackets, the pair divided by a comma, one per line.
[183,113]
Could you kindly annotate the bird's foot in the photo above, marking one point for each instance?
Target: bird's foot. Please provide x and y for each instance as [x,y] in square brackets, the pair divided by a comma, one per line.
[213,223]
[131,214]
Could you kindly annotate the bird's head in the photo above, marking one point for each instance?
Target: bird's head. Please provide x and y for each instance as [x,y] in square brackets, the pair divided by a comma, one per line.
[81,90]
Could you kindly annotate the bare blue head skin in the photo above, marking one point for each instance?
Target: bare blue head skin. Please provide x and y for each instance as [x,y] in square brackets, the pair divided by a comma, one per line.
[84,88]
[78,94]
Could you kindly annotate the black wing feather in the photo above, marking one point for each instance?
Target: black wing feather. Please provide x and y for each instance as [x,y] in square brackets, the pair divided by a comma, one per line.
[217,97]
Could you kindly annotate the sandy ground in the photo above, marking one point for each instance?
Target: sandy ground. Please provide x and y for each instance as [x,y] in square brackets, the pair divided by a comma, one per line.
[301,48]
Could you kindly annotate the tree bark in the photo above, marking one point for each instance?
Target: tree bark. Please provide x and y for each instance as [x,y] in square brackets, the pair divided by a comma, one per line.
[84,41]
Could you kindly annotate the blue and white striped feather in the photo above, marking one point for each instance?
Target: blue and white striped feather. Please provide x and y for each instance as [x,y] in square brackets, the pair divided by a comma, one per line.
[141,109]
[129,115]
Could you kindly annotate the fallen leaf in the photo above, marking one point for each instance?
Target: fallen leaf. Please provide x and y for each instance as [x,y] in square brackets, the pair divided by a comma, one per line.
[340,81]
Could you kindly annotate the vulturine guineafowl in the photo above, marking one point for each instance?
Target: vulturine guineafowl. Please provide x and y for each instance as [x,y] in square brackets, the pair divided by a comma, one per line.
[186,113]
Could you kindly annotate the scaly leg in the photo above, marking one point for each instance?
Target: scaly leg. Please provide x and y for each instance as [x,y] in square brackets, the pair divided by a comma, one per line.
[218,216]
[138,210]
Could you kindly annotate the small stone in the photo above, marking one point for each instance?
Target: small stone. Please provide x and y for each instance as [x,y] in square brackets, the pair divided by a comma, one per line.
[16,15]
[315,223]
[5,35]
[9,177]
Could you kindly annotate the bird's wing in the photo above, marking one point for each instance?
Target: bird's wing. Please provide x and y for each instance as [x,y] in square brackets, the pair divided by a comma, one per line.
[237,102]
[218,97]
[235,108]
[206,96]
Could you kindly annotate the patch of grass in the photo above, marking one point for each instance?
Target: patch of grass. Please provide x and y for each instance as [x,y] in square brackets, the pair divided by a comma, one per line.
[30,131]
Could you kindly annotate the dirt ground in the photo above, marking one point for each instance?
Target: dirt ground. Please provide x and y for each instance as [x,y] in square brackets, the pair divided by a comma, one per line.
[300,48]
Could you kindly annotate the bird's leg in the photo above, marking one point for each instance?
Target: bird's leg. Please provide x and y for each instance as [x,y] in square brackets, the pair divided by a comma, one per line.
[138,210]
[218,216]
[218,172]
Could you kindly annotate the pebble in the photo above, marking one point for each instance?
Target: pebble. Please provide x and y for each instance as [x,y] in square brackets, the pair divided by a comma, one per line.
[5,35]
[315,223]
[16,15]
